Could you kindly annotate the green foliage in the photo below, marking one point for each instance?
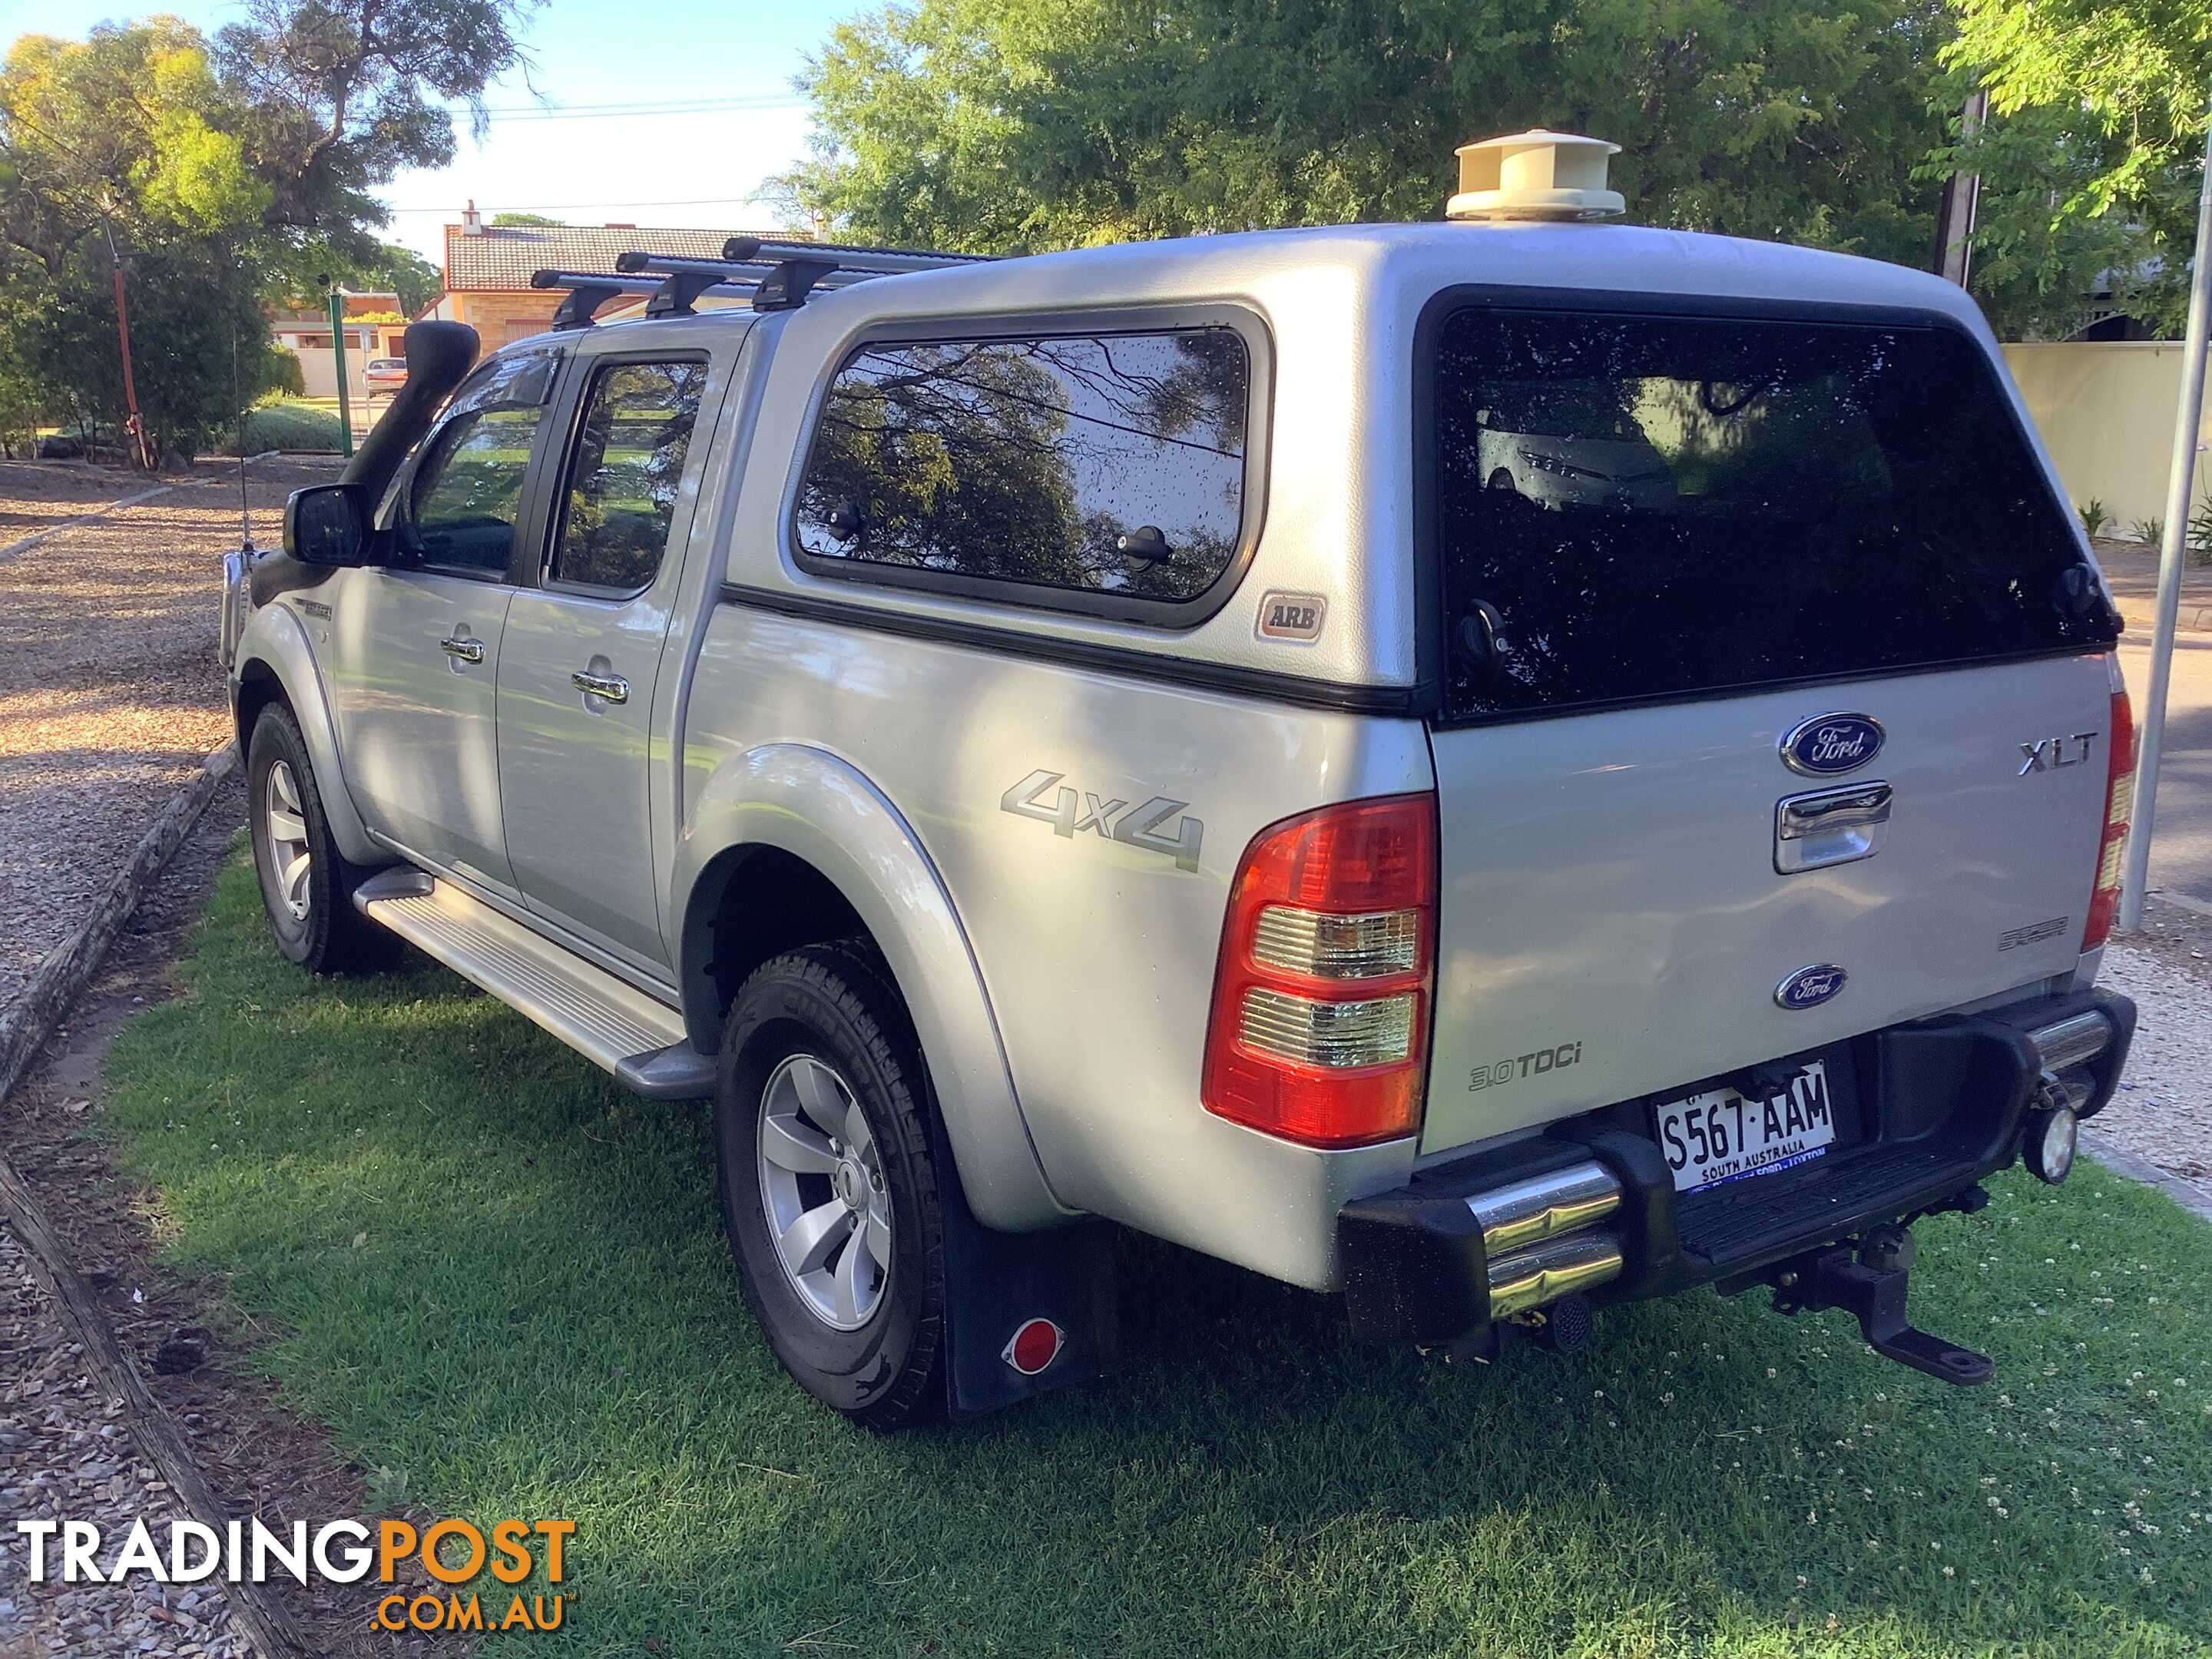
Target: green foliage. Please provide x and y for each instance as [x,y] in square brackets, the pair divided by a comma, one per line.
[2150,532]
[988,126]
[2198,538]
[223,176]
[2094,517]
[502,1284]
[283,424]
[2091,159]
[519,221]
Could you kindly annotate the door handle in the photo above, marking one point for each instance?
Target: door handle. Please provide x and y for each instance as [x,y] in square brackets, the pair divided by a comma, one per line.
[610,688]
[466,650]
[1830,826]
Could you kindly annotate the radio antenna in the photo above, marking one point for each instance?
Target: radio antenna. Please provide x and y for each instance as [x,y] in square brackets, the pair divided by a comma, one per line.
[238,397]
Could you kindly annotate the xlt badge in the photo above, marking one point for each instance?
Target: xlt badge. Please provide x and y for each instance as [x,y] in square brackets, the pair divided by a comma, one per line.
[1070,813]
[2049,754]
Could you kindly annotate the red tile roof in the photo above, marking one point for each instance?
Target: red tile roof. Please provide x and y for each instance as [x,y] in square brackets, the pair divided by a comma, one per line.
[501,260]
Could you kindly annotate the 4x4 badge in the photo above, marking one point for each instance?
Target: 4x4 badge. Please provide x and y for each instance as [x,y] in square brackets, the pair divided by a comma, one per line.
[1114,820]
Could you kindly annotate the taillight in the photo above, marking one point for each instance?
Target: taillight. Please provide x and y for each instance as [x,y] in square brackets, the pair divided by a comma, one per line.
[2119,793]
[1318,1030]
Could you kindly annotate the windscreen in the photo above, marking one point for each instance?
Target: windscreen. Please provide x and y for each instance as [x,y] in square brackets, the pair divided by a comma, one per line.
[1637,507]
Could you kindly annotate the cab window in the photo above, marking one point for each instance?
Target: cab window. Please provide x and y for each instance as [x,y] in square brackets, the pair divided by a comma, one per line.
[625,473]
[465,492]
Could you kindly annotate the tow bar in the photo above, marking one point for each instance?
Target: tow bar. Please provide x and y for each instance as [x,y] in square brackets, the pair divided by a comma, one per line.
[1869,1282]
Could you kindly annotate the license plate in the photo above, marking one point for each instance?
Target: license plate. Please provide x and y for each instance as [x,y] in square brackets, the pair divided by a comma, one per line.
[1720,1135]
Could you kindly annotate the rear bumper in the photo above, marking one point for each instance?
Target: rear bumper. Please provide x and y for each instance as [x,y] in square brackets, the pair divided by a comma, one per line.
[1590,1205]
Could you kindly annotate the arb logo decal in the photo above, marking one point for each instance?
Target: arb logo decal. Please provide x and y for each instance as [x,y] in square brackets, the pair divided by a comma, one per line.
[1292,616]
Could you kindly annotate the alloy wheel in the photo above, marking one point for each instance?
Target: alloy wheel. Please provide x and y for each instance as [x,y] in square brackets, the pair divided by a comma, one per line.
[822,1185]
[286,822]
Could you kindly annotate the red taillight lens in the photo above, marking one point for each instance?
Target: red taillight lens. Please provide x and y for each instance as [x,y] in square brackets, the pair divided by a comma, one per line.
[2113,847]
[1318,1030]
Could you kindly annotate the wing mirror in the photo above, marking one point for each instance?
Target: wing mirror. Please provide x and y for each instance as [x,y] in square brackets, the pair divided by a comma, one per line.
[328,525]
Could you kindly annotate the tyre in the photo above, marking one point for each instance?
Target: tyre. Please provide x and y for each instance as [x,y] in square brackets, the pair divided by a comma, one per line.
[831,1186]
[306,884]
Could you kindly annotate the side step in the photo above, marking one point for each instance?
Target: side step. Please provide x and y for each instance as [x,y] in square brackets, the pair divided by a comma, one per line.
[610,1022]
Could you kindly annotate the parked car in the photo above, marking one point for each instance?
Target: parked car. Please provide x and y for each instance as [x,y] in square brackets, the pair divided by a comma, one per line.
[385,373]
[1076,742]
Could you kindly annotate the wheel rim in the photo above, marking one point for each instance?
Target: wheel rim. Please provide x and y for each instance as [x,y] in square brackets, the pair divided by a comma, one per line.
[291,863]
[821,1186]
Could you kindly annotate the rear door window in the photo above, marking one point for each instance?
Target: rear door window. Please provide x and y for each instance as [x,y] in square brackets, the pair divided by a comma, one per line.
[1108,465]
[1637,507]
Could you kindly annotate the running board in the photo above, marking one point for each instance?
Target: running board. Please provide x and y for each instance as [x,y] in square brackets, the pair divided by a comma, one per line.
[612,1023]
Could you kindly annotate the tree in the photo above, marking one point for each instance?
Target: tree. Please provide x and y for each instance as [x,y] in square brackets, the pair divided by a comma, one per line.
[988,126]
[521,220]
[223,176]
[117,149]
[336,96]
[2092,155]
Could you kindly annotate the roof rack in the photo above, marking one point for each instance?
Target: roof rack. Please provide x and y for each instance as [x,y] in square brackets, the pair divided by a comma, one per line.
[779,274]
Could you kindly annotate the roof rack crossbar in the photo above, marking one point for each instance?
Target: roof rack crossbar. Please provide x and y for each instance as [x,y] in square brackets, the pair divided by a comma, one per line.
[877,261]
[588,291]
[779,274]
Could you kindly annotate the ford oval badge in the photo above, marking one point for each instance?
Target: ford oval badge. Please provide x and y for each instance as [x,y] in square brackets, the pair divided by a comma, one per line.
[1808,987]
[1829,743]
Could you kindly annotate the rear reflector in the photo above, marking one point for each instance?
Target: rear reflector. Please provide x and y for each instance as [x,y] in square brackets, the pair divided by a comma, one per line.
[1319,1024]
[2119,793]
[1034,1346]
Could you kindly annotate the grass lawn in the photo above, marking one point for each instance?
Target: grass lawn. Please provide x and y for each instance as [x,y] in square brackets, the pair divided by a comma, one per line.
[503,1286]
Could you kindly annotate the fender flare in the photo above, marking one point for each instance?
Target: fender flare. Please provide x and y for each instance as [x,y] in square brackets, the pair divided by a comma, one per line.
[275,638]
[817,807]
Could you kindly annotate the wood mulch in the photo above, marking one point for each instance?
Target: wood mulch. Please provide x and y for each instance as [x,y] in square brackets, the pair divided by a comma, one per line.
[63,1453]
[110,694]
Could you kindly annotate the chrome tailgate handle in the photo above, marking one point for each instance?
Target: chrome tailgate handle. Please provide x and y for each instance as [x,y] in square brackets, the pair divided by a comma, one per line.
[1830,826]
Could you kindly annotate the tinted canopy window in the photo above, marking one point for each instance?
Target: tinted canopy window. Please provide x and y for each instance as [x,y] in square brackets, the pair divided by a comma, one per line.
[1111,463]
[1636,508]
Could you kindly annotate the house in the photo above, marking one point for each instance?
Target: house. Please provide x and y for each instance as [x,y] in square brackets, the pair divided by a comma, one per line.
[374,324]
[489,267]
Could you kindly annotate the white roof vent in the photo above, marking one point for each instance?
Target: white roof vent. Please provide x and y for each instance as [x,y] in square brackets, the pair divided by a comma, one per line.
[1535,176]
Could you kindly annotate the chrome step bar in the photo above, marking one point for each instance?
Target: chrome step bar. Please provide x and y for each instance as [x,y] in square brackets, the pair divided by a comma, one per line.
[612,1023]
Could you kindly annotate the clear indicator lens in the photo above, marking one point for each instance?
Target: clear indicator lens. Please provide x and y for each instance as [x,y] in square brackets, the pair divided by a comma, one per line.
[2117,803]
[2109,865]
[1335,1036]
[1371,946]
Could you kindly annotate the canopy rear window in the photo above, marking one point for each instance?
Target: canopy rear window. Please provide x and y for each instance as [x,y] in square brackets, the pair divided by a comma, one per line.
[1636,508]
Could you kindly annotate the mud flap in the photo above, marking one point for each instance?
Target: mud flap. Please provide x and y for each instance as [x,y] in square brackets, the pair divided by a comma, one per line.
[998,1287]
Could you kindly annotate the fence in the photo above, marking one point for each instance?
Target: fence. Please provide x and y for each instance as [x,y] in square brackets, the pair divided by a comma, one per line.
[2105,410]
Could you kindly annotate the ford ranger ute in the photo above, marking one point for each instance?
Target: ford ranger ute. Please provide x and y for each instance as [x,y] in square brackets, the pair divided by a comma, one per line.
[1488,768]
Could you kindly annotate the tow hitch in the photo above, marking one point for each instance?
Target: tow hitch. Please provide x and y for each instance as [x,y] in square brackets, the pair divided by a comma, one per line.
[1869,1281]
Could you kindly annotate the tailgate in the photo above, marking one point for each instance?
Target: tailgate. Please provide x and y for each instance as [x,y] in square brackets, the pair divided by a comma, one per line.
[1667,547]
[1612,924]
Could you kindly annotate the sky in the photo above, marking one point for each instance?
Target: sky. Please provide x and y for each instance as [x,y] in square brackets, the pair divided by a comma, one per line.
[636,111]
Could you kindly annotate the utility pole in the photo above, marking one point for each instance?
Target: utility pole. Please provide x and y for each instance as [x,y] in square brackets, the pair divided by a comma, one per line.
[133,425]
[1962,196]
[2180,490]
[338,353]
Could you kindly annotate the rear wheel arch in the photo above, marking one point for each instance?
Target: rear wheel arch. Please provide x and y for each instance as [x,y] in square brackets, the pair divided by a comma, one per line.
[842,863]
